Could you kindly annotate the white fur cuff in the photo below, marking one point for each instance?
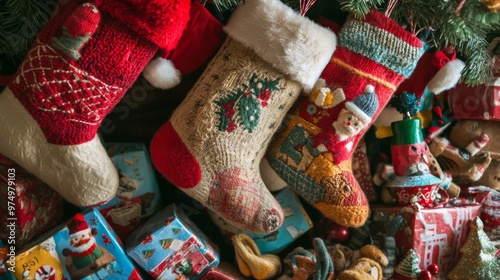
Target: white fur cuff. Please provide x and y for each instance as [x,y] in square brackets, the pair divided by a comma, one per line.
[290,42]
[447,77]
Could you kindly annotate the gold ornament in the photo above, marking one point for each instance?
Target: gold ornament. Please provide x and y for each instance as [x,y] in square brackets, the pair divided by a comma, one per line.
[492,5]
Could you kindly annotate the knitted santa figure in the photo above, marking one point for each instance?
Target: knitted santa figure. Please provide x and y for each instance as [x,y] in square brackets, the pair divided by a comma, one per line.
[81,64]
[313,152]
[353,118]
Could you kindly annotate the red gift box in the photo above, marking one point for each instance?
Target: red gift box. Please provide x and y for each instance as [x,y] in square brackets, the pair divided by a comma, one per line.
[437,234]
[490,215]
[480,102]
[29,206]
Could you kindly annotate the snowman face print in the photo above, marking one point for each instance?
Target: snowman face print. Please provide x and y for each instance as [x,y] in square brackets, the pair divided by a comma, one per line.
[348,124]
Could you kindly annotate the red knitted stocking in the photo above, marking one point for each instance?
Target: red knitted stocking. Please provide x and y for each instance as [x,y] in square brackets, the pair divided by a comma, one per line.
[313,154]
[82,63]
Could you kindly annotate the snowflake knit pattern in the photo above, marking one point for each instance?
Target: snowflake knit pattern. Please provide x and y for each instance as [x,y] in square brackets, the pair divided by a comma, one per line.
[313,154]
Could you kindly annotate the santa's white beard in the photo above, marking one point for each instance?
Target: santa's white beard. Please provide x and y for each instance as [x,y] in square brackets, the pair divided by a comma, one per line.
[84,247]
[341,131]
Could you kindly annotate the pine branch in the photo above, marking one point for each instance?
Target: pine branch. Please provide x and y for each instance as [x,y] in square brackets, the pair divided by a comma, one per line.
[20,22]
[416,15]
[474,12]
[478,68]
[469,39]
[360,7]
[223,5]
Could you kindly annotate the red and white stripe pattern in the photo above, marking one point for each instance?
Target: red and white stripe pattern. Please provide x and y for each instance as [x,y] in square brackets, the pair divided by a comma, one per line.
[45,272]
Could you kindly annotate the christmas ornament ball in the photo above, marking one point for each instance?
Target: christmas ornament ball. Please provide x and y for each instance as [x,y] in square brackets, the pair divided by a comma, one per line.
[433,269]
[425,275]
[336,233]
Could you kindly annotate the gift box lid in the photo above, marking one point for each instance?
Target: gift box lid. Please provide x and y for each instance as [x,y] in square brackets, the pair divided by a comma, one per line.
[137,178]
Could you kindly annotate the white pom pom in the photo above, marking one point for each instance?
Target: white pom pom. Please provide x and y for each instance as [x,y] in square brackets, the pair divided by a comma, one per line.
[369,88]
[447,77]
[161,73]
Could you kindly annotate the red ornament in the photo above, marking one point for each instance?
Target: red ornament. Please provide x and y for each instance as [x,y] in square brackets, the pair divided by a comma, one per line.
[433,269]
[336,233]
[425,275]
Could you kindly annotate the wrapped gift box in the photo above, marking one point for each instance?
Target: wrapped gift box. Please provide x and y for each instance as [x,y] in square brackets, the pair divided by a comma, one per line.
[169,246]
[437,234]
[138,195]
[84,248]
[490,215]
[296,223]
[480,102]
[29,206]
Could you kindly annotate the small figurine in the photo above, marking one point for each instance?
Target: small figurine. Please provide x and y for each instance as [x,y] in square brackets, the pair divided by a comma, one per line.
[85,257]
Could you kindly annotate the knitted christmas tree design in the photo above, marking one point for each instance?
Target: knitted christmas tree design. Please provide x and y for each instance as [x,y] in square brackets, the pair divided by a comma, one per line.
[242,106]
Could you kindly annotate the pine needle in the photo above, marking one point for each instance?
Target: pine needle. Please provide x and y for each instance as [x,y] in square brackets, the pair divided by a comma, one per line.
[359,8]
[20,22]
[223,5]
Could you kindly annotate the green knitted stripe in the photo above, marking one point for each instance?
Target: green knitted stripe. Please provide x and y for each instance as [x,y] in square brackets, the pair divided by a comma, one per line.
[299,181]
[380,46]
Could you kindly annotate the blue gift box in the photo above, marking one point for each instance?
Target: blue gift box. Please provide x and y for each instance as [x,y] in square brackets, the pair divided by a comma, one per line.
[138,195]
[296,223]
[170,246]
[84,248]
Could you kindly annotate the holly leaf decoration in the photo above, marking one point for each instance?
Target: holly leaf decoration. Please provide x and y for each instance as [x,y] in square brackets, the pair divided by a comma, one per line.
[227,110]
[243,105]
